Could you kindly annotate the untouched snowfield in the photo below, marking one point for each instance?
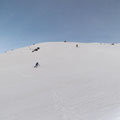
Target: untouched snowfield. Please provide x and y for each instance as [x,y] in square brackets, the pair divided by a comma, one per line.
[71,83]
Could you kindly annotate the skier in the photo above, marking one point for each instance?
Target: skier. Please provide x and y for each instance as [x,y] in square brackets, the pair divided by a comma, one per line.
[36,65]
[76,45]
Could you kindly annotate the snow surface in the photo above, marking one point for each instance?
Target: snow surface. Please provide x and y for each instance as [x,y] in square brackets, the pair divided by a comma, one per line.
[71,83]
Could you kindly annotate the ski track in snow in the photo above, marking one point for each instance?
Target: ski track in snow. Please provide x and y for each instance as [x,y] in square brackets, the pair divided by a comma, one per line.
[64,112]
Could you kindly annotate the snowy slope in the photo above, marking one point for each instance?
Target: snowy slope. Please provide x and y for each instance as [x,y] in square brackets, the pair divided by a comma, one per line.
[71,83]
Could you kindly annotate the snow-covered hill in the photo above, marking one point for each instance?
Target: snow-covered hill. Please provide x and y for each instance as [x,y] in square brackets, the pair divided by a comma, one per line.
[71,83]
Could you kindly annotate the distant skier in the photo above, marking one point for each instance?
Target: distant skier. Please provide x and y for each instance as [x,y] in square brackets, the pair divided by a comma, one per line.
[76,45]
[36,65]
[36,49]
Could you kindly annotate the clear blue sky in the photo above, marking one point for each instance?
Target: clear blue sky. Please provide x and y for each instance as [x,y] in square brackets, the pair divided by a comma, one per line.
[24,22]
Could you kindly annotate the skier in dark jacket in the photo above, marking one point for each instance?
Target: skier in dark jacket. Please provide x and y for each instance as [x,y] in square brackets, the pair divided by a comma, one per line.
[36,65]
